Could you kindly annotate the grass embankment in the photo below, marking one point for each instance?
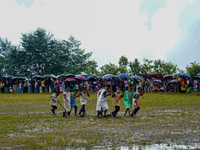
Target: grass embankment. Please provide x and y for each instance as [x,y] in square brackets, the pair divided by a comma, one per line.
[27,123]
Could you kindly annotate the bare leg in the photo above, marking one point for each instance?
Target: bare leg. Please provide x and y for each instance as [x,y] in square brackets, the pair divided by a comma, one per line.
[129,112]
[105,113]
[125,112]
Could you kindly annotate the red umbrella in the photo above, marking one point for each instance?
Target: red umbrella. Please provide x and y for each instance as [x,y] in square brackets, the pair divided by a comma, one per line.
[70,79]
[81,78]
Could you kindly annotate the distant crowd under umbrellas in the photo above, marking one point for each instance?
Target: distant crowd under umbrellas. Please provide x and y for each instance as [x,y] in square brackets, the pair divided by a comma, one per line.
[148,82]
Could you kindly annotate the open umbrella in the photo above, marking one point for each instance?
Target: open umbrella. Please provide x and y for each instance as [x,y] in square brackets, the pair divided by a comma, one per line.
[123,75]
[167,76]
[198,74]
[157,82]
[61,77]
[108,76]
[38,77]
[70,75]
[185,75]
[92,78]
[136,77]
[99,77]
[120,79]
[19,78]
[70,79]
[175,81]
[80,78]
[157,76]
[6,77]
[47,76]
[196,77]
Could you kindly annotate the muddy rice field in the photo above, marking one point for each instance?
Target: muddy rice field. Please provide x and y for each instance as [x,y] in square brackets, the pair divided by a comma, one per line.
[165,121]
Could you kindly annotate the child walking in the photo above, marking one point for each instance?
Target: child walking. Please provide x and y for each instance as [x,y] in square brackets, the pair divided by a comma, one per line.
[136,105]
[83,99]
[102,101]
[73,102]
[66,100]
[53,99]
[117,96]
[128,98]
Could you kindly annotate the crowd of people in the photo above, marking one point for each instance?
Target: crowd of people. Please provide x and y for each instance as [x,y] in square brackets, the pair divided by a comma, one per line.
[53,85]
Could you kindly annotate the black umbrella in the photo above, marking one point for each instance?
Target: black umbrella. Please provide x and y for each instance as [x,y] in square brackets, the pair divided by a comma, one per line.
[149,78]
[48,76]
[167,76]
[175,81]
[99,77]
[6,77]
[92,78]
[19,78]
[196,77]
[62,77]
[70,76]
[157,82]
[38,77]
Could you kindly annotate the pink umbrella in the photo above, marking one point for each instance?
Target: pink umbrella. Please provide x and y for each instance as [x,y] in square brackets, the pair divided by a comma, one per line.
[81,78]
[70,79]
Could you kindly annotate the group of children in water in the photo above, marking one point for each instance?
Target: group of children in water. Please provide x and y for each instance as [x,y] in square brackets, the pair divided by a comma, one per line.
[129,97]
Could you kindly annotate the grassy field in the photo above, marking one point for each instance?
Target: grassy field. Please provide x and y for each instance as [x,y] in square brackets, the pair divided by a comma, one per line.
[27,123]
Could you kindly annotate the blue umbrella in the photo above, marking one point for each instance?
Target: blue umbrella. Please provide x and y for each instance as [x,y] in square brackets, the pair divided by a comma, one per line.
[185,75]
[136,77]
[108,76]
[123,75]
[85,75]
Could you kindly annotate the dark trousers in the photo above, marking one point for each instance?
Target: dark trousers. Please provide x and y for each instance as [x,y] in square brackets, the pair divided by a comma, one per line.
[82,110]
[117,108]
[135,110]
[75,110]
[32,89]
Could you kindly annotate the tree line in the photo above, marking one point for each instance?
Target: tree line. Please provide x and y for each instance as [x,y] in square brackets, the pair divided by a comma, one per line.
[39,53]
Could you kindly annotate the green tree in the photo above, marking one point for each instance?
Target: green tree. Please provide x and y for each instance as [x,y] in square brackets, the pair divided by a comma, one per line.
[123,62]
[193,69]
[147,66]
[78,58]
[109,69]
[135,67]
[91,67]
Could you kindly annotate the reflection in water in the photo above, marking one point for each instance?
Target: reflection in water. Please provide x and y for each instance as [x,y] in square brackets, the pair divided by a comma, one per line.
[158,147]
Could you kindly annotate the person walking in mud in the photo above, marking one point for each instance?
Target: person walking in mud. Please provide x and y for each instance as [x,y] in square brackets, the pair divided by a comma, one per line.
[53,99]
[136,105]
[128,99]
[117,96]
[66,101]
[102,101]
[83,99]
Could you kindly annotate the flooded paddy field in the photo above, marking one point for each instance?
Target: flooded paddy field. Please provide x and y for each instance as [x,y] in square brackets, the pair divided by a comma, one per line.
[165,121]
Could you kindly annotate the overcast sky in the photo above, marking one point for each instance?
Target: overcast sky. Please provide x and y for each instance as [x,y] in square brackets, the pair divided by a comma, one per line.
[154,29]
